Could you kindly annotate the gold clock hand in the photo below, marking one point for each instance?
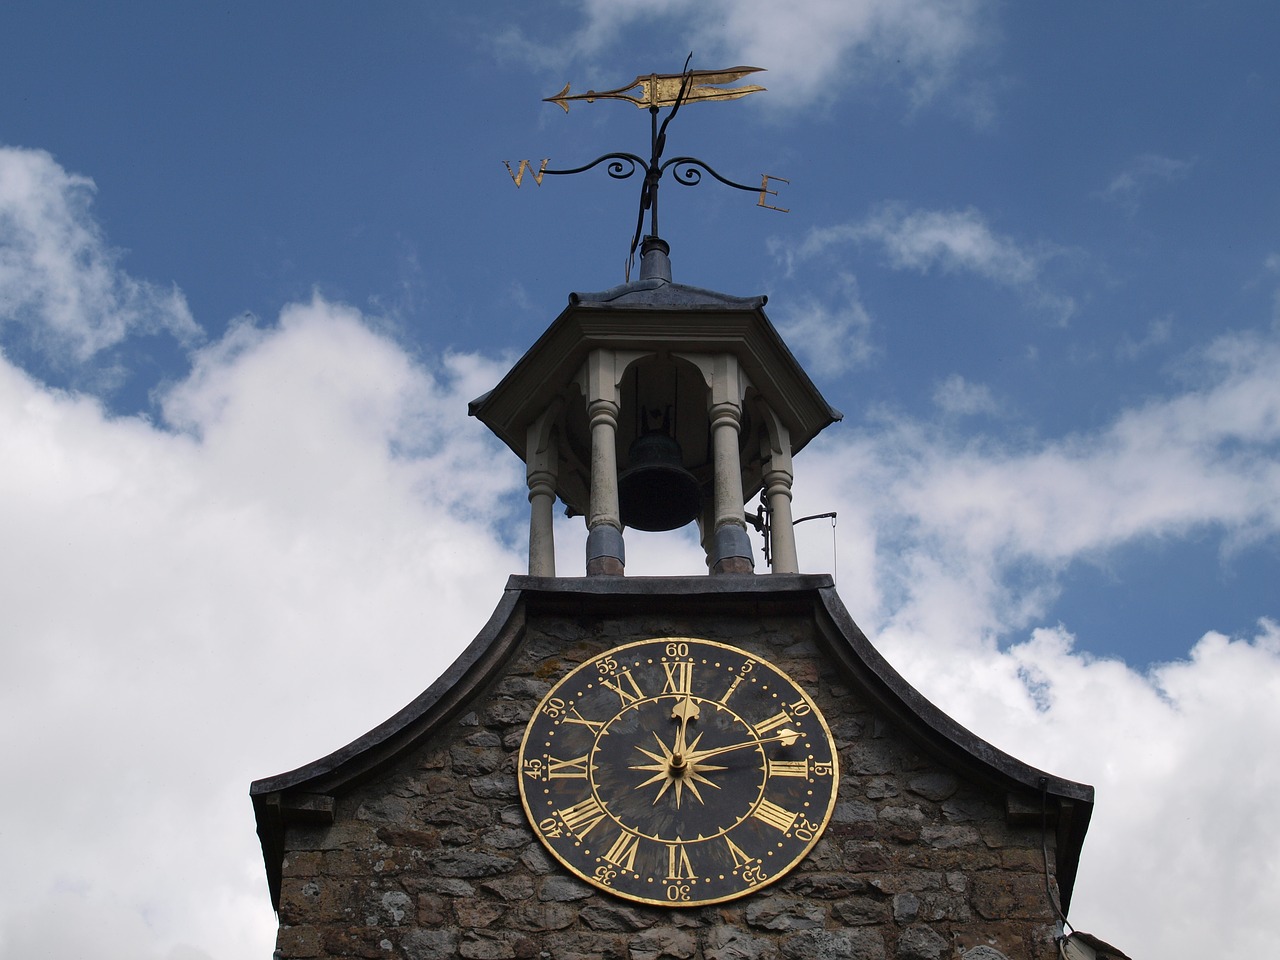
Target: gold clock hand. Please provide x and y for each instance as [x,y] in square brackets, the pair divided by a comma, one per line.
[785,737]
[684,711]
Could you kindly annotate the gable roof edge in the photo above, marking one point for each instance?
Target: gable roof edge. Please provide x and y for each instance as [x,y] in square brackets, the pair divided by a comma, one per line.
[1072,801]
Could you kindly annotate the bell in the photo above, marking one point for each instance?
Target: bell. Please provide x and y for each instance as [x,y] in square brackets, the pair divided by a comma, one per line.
[656,492]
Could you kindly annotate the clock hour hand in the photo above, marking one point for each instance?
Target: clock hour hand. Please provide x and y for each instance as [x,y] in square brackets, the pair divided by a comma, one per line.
[684,711]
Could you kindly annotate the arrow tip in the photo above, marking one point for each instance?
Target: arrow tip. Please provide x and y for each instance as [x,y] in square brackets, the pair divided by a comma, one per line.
[560,99]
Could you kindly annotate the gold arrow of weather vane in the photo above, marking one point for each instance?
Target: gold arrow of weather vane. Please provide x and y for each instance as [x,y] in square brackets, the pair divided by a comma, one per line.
[663,89]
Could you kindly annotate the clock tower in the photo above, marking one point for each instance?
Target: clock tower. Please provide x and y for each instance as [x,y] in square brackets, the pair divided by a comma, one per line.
[714,767]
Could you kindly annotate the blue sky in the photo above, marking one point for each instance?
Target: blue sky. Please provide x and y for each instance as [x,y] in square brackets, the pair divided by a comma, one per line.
[255,258]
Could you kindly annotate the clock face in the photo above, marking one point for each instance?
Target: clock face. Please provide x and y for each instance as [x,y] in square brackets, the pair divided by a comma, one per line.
[678,772]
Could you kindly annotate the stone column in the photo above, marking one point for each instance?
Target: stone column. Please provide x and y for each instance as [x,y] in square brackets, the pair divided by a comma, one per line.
[727,544]
[541,465]
[599,379]
[605,553]
[778,476]
[707,529]
[731,545]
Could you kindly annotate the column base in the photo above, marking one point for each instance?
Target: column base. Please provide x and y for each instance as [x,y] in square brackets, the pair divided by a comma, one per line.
[606,553]
[734,565]
[732,551]
[605,567]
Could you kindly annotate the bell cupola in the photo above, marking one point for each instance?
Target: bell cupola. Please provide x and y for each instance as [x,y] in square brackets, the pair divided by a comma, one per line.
[652,405]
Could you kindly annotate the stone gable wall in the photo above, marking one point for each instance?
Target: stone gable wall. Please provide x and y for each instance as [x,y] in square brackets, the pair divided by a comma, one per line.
[435,859]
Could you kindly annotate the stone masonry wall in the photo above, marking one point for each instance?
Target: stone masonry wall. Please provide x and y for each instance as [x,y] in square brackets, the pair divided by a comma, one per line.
[434,859]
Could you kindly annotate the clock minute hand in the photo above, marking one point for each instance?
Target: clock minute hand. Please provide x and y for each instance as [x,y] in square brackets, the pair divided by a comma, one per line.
[785,737]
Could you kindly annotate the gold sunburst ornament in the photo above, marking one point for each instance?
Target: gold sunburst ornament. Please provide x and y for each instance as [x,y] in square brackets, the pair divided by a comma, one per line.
[678,772]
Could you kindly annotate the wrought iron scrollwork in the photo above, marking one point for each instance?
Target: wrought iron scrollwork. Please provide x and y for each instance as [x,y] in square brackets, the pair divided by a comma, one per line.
[624,166]
[657,91]
[687,171]
[660,90]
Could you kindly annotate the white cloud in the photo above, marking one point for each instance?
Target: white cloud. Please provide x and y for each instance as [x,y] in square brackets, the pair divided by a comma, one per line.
[830,341]
[957,548]
[813,49]
[59,280]
[315,521]
[1203,457]
[1183,822]
[1158,333]
[950,241]
[957,396]
[179,602]
[1141,175]
[172,603]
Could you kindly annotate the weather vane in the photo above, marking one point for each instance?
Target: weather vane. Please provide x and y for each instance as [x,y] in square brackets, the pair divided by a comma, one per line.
[655,91]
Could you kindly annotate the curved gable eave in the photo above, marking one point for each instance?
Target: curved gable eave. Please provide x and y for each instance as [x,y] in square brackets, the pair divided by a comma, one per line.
[307,793]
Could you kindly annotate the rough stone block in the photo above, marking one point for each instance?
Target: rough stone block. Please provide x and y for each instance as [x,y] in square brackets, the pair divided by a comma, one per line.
[506,838]
[300,941]
[451,811]
[906,907]
[303,863]
[593,946]
[476,945]
[949,837]
[430,944]
[998,895]
[853,811]
[963,809]
[385,809]
[783,914]
[936,786]
[315,901]
[983,953]
[862,911]
[432,910]
[881,788]
[445,886]
[476,761]
[457,836]
[515,887]
[472,914]
[495,786]
[734,943]
[563,890]
[483,738]
[523,688]
[540,917]
[506,713]
[921,943]
[861,944]
[396,907]
[470,864]
[660,943]
[944,906]
[1024,860]
[826,886]
[615,919]
[536,860]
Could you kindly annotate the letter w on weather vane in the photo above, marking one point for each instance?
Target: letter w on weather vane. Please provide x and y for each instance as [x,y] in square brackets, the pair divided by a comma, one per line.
[656,91]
